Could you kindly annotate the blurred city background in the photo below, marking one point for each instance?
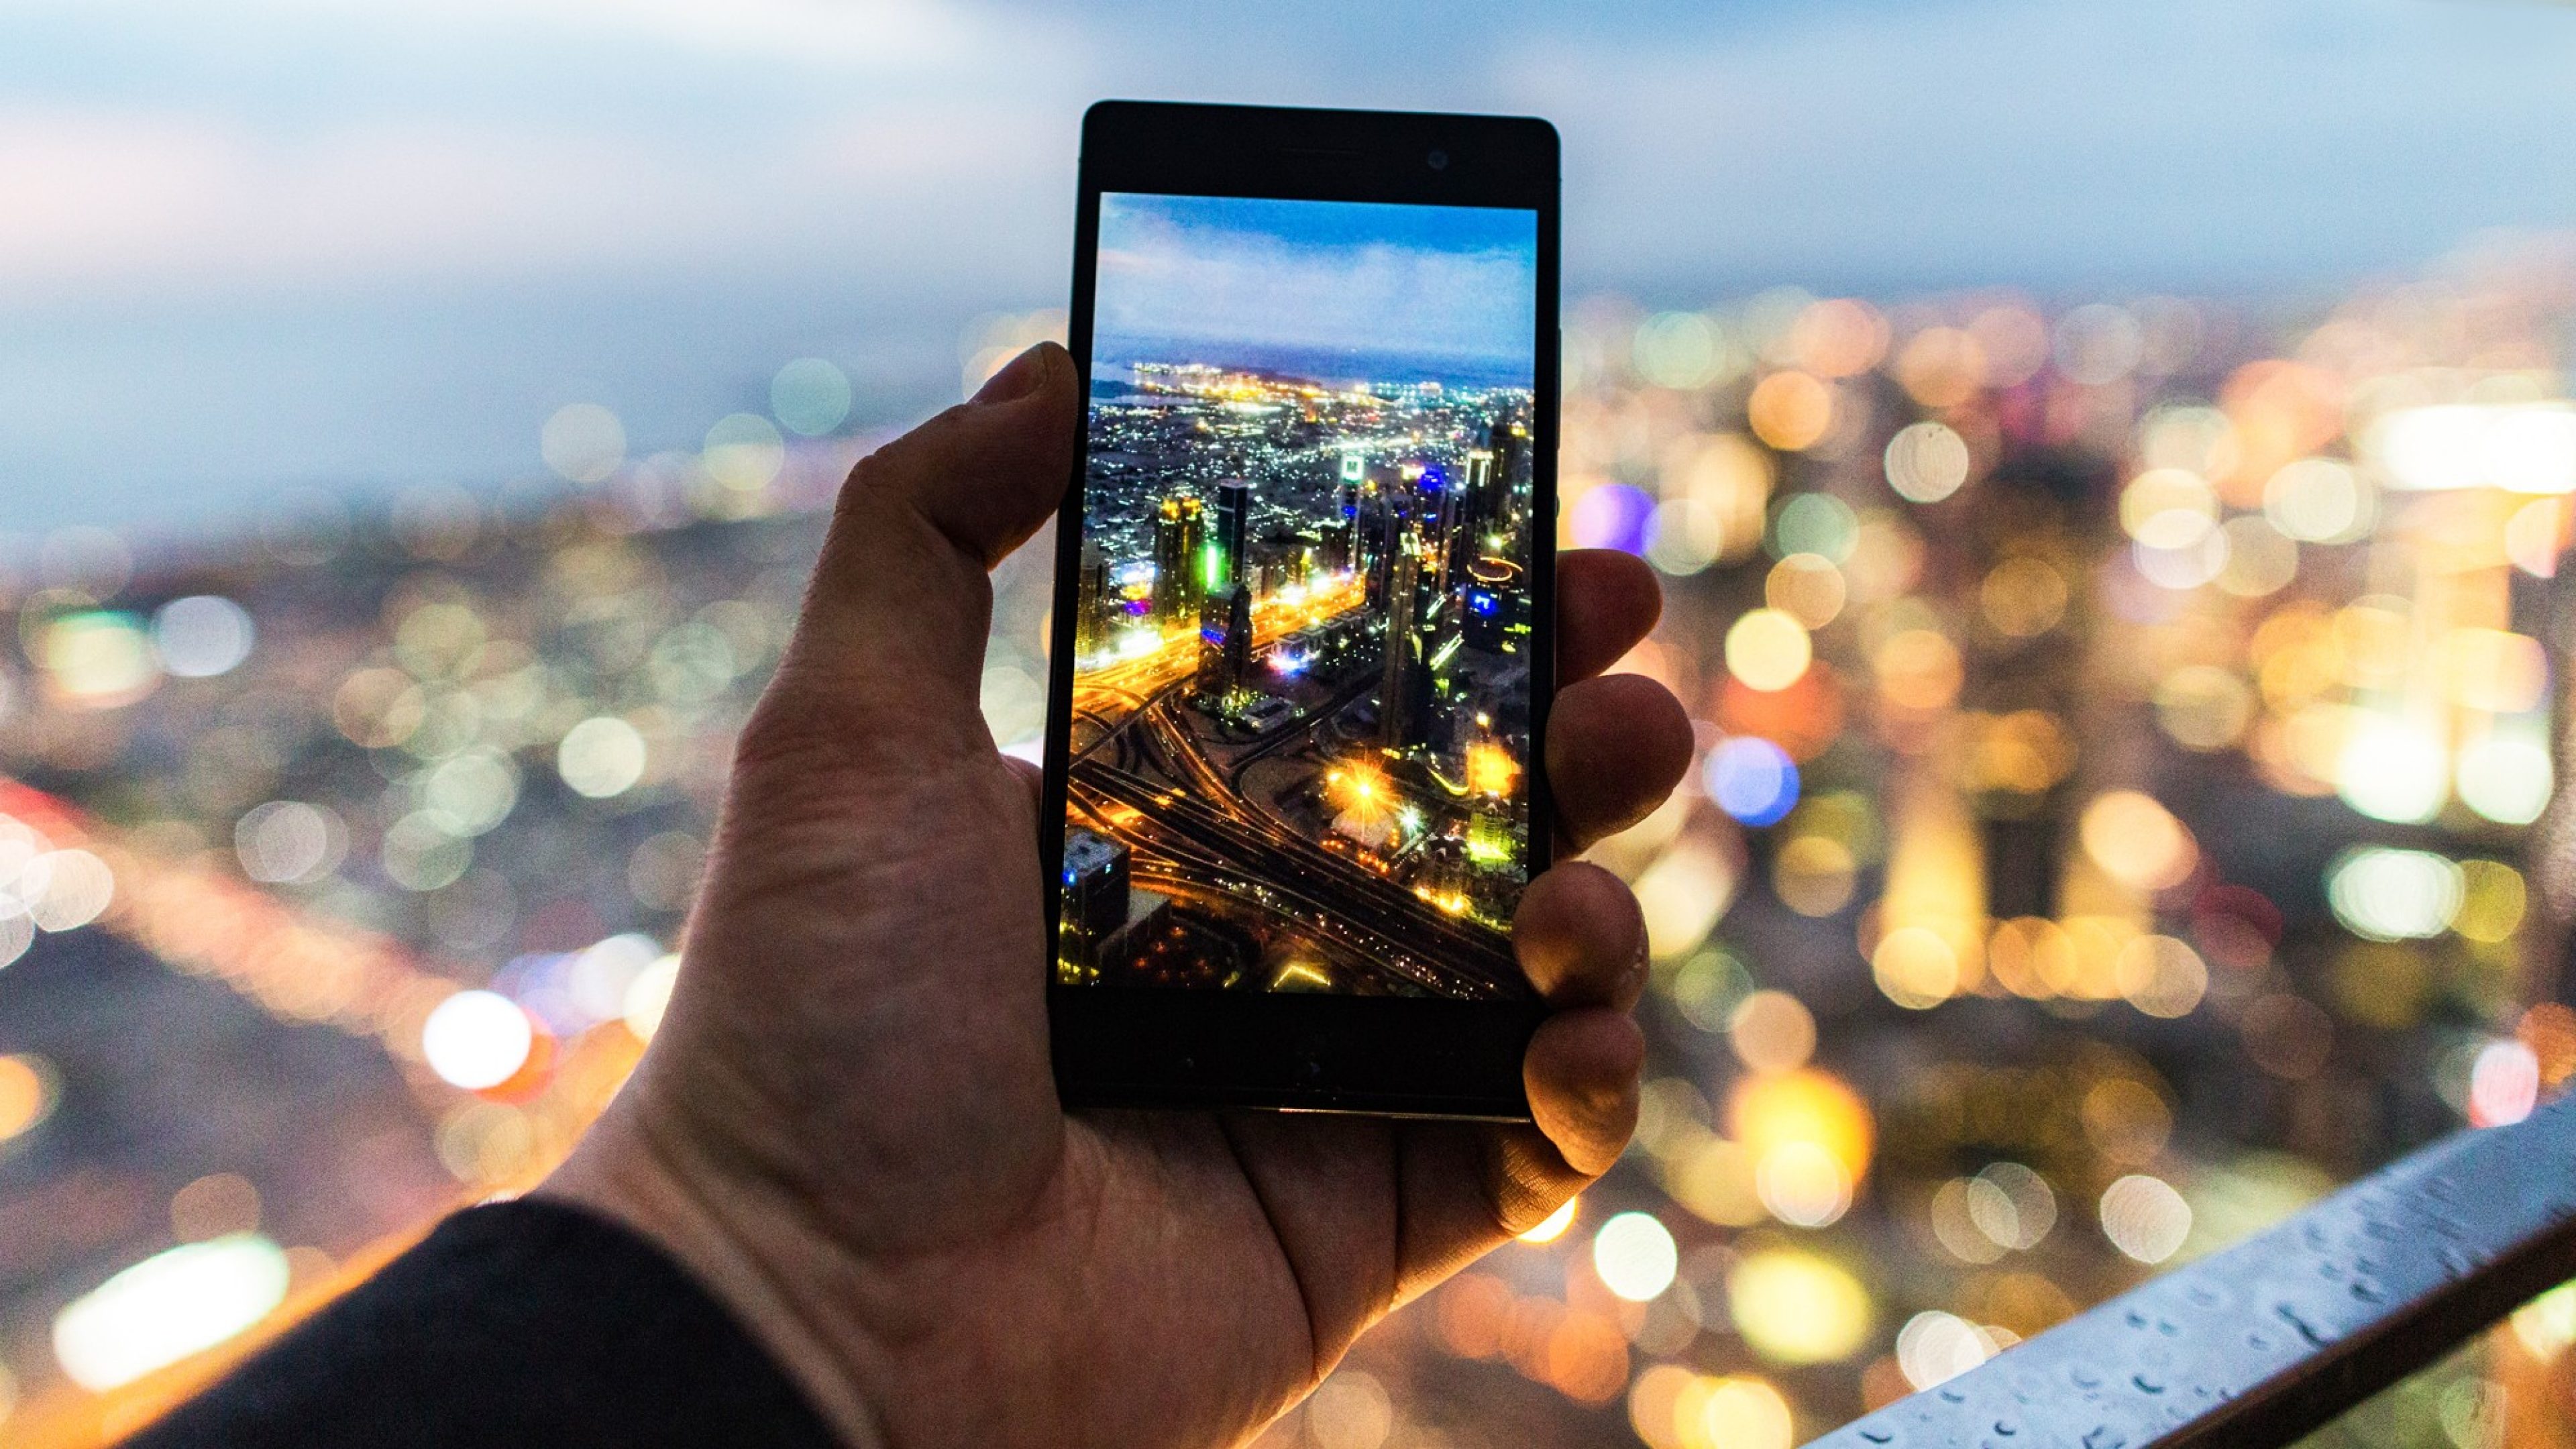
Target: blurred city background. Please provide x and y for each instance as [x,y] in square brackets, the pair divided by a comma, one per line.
[2109,467]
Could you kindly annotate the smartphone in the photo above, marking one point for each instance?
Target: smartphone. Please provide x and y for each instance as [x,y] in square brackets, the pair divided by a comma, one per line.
[1303,635]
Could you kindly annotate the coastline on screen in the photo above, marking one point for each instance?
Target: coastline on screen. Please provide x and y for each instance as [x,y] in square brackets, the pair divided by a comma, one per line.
[1302,699]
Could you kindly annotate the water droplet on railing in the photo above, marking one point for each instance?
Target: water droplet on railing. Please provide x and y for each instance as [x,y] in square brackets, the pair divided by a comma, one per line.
[1876,1435]
[2084,1378]
[2290,1314]
[2147,1385]
[2106,1437]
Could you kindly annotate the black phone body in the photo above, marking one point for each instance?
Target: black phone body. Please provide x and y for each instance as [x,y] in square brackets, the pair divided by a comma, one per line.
[1303,640]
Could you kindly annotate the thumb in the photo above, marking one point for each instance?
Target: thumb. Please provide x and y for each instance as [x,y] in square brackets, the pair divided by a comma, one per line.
[889,647]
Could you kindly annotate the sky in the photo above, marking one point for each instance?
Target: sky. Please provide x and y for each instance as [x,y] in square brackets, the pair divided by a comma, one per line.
[1444,292]
[253,245]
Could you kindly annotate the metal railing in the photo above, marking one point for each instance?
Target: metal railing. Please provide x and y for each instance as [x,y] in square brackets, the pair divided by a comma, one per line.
[2260,1344]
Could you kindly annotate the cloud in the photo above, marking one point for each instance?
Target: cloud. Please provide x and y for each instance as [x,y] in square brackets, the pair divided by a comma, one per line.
[1230,286]
[877,35]
[319,143]
[119,200]
[311,145]
[103,195]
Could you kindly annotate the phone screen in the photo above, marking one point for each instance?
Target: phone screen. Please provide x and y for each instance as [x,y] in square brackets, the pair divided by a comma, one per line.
[1302,687]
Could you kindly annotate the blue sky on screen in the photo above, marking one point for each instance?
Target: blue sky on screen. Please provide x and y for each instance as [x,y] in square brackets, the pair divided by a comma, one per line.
[1286,283]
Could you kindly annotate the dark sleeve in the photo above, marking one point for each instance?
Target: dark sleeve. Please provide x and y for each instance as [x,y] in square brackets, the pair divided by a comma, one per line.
[519,1324]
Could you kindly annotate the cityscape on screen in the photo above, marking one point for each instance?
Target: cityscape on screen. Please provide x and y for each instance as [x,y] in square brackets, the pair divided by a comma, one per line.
[1302,638]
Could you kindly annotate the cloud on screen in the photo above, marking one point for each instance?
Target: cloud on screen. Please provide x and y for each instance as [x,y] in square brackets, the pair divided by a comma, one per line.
[1430,281]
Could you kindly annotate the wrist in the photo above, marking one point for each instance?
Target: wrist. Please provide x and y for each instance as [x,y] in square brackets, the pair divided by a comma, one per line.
[785,1284]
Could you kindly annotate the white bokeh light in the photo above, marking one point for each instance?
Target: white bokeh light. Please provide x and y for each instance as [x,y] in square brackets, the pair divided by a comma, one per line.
[476,1039]
[201,636]
[1635,1256]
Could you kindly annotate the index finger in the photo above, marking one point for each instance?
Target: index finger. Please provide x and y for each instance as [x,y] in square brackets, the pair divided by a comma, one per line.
[1605,602]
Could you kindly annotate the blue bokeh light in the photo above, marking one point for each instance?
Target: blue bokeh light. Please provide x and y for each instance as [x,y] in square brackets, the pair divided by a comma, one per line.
[1752,780]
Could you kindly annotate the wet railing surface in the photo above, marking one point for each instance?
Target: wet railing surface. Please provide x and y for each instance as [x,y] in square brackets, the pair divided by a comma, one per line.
[2274,1337]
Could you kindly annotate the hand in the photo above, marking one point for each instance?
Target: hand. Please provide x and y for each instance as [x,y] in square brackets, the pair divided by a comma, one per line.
[847,1127]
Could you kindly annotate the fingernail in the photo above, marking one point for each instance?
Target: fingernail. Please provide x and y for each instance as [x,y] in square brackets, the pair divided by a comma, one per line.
[1018,378]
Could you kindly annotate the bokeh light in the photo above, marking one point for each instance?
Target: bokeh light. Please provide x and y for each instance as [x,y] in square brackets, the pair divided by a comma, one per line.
[810,396]
[1816,523]
[648,996]
[2384,894]
[600,757]
[1808,588]
[2317,500]
[289,842]
[1935,1347]
[1552,1227]
[1350,1410]
[201,636]
[2138,841]
[2145,1218]
[1635,1256]
[1771,1031]
[1768,649]
[744,452]
[2504,1085]
[1926,462]
[1610,515]
[1735,1411]
[99,658]
[2508,778]
[64,890]
[2392,770]
[1683,894]
[1795,1307]
[1790,410]
[167,1307]
[27,1094]
[2161,976]
[1751,779]
[476,1039]
[583,443]
[1680,350]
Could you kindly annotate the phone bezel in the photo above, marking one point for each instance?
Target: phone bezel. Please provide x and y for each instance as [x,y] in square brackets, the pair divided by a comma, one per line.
[1403,1056]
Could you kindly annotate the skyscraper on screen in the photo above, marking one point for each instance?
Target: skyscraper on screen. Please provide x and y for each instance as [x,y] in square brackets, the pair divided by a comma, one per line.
[1233,520]
[1180,583]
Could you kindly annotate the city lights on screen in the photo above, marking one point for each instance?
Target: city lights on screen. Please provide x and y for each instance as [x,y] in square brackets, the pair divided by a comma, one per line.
[1302,638]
